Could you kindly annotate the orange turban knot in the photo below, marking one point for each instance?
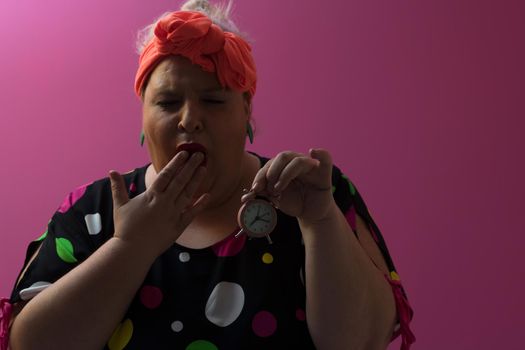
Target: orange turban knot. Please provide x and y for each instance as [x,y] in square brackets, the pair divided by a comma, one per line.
[194,36]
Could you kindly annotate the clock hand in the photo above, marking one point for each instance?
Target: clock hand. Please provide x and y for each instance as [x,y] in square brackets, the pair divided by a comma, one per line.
[254,220]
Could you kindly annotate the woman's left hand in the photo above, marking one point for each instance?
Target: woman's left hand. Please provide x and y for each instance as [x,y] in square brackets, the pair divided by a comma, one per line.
[300,185]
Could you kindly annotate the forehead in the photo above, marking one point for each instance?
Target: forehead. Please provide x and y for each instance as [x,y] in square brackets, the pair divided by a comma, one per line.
[177,72]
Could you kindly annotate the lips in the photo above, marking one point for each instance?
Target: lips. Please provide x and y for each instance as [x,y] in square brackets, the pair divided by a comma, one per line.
[192,148]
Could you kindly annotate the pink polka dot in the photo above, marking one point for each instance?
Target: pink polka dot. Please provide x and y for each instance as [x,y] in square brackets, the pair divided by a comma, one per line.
[150,296]
[300,315]
[350,217]
[72,198]
[264,324]
[229,246]
[373,233]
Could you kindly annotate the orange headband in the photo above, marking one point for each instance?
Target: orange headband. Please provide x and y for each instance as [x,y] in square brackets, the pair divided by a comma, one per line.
[194,36]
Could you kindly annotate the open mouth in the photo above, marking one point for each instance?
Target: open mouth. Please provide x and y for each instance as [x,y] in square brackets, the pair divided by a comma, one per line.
[193,148]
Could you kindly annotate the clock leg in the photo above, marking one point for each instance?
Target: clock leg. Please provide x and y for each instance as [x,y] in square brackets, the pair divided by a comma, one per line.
[241,231]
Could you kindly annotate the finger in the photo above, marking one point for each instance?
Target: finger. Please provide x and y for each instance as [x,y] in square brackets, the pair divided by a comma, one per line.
[246,197]
[179,182]
[294,169]
[187,195]
[323,156]
[325,159]
[259,181]
[190,213]
[276,168]
[167,173]
[118,189]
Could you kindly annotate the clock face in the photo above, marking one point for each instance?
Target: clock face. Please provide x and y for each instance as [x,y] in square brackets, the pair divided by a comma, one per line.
[258,217]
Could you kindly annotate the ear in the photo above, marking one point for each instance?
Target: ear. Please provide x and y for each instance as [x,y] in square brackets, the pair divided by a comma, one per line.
[247,103]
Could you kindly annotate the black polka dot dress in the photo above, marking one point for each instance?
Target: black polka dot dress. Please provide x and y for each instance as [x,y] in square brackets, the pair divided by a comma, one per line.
[240,293]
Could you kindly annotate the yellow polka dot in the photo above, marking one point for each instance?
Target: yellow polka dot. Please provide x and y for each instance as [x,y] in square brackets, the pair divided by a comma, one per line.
[394,276]
[267,258]
[121,336]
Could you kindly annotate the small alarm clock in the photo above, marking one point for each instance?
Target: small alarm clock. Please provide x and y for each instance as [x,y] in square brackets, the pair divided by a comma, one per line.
[257,218]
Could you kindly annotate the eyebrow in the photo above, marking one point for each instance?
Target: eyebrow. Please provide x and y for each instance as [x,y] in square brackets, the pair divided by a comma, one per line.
[162,91]
[215,89]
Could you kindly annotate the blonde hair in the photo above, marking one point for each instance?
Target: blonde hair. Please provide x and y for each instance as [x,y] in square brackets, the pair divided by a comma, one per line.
[219,14]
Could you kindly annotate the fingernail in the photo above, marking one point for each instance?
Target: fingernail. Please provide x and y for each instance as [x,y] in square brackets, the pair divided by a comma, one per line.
[277,186]
[247,196]
[254,186]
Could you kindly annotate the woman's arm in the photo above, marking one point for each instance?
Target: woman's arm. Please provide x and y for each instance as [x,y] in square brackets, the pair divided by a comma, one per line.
[82,308]
[349,303]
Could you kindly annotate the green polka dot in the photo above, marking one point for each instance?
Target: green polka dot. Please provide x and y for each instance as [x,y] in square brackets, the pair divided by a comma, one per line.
[65,250]
[333,189]
[201,345]
[44,235]
[350,185]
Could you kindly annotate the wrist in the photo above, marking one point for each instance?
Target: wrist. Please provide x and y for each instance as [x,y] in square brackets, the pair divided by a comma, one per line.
[135,250]
[328,218]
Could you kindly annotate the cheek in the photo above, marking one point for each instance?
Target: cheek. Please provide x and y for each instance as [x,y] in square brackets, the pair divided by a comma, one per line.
[159,140]
[157,128]
[230,135]
[233,125]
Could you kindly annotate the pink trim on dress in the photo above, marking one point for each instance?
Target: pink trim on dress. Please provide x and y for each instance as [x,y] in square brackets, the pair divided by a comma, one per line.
[230,246]
[404,314]
[403,309]
[351,218]
[6,309]
[72,198]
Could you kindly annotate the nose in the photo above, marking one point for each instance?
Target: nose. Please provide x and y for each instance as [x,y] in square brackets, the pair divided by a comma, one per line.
[191,118]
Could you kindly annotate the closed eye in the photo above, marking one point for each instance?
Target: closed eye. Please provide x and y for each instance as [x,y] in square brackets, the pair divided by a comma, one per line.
[213,101]
[168,104]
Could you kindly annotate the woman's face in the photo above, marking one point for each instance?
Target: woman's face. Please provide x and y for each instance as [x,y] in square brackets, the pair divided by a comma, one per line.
[184,104]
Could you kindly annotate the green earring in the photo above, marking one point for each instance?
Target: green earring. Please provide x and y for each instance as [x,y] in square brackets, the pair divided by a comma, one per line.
[249,131]
[142,138]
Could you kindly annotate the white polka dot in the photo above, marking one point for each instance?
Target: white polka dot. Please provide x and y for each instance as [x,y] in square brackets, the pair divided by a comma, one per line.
[177,326]
[93,223]
[30,292]
[184,257]
[225,304]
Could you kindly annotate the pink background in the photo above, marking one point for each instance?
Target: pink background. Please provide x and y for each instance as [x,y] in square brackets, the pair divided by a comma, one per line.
[421,103]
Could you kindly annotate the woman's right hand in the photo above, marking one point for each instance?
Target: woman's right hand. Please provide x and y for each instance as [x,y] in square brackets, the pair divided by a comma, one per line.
[155,219]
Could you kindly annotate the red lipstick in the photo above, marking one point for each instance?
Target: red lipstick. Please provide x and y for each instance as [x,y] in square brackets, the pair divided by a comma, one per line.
[191,148]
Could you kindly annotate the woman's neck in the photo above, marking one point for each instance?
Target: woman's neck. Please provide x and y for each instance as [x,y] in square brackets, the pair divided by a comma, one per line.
[229,205]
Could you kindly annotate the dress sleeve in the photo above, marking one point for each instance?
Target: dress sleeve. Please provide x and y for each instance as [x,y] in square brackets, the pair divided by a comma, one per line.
[351,204]
[64,245]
